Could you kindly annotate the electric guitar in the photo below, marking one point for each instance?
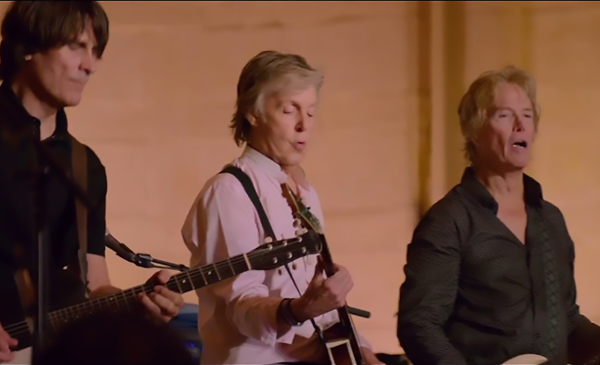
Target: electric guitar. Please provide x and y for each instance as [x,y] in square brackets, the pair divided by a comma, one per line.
[268,256]
[341,340]
[526,359]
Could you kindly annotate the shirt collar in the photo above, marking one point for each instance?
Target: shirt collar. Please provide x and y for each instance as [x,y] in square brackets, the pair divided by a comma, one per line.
[265,164]
[474,187]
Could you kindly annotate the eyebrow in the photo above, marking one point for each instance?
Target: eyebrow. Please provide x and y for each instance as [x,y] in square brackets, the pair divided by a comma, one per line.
[510,109]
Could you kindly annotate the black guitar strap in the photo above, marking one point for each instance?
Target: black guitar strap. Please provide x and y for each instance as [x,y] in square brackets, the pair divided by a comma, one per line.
[80,175]
[264,220]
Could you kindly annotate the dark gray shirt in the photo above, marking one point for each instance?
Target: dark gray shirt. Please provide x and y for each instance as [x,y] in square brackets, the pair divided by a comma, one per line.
[475,294]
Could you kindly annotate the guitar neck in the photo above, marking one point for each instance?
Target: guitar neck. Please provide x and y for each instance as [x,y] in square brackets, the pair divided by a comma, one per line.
[127,300]
[344,315]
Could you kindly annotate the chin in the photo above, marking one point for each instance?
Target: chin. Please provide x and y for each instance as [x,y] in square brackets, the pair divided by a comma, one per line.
[71,102]
[293,160]
[517,166]
[66,101]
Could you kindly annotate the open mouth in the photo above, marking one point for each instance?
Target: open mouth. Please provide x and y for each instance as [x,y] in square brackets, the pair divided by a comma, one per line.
[520,144]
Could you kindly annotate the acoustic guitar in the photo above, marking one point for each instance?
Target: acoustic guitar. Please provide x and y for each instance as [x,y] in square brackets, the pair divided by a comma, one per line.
[268,256]
[341,340]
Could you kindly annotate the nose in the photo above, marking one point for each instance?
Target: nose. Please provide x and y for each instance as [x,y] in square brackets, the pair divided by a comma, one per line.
[301,125]
[89,63]
[518,124]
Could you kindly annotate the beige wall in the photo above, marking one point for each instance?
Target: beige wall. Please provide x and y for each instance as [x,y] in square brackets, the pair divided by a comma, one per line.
[388,143]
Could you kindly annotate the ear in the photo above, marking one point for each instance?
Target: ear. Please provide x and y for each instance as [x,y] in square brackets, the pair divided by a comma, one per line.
[251,117]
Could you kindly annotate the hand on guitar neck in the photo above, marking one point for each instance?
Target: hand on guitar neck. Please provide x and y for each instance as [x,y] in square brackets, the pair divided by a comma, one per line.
[6,342]
[323,294]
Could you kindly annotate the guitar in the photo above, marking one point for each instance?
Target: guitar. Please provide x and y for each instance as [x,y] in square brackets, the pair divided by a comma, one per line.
[268,256]
[526,359]
[341,340]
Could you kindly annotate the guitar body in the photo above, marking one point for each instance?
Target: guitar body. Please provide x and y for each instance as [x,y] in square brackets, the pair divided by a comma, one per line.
[22,357]
[64,290]
[339,346]
[526,359]
[341,339]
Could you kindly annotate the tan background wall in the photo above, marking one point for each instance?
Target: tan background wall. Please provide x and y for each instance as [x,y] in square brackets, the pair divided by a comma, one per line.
[388,143]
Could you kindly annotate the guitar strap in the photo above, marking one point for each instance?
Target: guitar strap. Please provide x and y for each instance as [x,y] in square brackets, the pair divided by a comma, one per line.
[264,220]
[552,335]
[80,175]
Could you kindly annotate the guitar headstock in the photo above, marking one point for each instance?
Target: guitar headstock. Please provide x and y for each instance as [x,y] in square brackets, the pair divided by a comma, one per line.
[299,211]
[272,255]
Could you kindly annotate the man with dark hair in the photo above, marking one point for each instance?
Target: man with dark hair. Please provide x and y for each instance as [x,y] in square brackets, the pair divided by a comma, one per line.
[49,50]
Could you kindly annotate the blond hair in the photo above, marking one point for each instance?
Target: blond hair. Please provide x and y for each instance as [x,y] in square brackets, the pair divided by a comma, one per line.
[477,104]
[265,73]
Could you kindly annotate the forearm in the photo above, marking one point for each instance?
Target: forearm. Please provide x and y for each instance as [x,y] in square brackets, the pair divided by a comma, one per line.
[584,340]
[259,318]
[428,345]
[103,291]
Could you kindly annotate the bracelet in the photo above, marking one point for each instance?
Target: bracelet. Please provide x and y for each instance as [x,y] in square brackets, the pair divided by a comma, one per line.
[285,310]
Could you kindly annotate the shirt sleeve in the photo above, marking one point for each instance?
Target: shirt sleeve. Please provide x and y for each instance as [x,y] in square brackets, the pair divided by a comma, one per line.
[428,293]
[584,336]
[227,225]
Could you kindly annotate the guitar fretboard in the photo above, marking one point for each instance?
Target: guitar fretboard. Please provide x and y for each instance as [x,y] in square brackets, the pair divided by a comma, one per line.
[127,300]
[263,258]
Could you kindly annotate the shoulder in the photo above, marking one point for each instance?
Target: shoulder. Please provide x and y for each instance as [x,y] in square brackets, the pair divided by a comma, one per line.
[553,214]
[97,178]
[448,209]
[95,166]
[445,219]
[223,188]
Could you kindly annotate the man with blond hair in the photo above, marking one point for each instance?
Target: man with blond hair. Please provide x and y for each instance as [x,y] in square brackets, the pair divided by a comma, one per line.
[489,272]
[265,317]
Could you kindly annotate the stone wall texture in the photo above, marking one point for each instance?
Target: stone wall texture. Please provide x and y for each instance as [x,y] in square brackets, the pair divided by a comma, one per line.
[388,143]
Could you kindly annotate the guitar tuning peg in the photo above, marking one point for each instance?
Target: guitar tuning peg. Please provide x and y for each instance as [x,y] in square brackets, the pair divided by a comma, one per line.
[268,240]
[301,231]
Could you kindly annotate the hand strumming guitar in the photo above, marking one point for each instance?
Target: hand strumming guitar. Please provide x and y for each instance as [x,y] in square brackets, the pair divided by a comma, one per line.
[6,342]
[322,295]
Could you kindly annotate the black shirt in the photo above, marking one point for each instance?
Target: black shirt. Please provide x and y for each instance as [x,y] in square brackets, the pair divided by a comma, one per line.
[474,293]
[17,156]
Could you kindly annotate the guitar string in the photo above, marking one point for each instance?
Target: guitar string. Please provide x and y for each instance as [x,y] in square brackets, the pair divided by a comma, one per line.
[126,295]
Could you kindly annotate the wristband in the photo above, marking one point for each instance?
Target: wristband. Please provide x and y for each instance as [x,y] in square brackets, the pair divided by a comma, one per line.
[285,309]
